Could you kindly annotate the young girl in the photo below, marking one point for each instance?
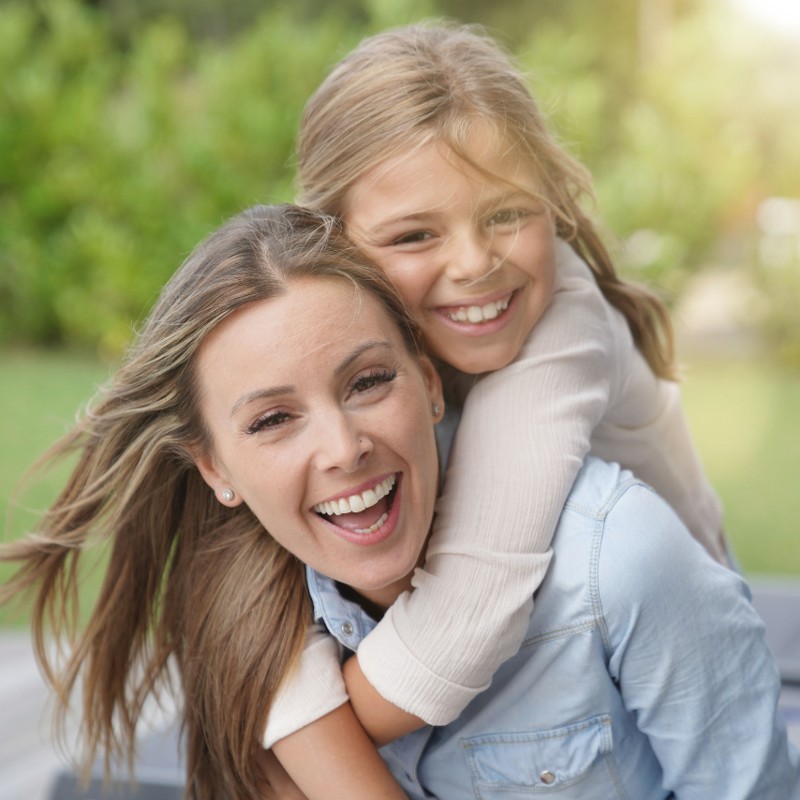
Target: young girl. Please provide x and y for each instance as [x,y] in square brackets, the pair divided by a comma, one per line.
[428,144]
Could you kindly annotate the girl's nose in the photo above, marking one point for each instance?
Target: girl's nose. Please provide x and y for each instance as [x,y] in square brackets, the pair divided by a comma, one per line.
[470,257]
[341,445]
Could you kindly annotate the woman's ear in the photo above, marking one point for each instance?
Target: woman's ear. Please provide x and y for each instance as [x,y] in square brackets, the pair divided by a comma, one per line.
[216,479]
[434,385]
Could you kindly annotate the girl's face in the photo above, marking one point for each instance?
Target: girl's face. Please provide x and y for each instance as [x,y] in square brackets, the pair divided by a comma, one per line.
[322,423]
[472,256]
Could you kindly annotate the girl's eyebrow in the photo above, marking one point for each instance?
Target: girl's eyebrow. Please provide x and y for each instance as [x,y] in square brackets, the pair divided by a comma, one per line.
[276,391]
[490,200]
[420,216]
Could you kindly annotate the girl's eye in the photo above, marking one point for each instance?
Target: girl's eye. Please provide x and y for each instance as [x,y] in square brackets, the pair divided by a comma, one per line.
[372,379]
[270,420]
[509,216]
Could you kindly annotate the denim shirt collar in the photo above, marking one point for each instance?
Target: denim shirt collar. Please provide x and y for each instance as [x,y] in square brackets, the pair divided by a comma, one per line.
[346,620]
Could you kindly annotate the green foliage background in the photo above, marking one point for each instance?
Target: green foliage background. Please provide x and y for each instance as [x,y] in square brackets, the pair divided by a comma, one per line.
[129,130]
[117,157]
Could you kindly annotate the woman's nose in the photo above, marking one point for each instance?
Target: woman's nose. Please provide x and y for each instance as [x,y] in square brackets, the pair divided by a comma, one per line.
[341,444]
[470,257]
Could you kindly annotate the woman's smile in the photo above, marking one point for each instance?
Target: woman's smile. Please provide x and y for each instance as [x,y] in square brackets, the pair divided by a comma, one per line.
[368,517]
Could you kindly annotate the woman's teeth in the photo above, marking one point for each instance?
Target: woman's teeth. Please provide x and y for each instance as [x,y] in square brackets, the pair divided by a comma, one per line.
[375,525]
[357,502]
[478,314]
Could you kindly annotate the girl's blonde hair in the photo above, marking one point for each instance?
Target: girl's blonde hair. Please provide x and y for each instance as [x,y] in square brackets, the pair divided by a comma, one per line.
[187,580]
[415,85]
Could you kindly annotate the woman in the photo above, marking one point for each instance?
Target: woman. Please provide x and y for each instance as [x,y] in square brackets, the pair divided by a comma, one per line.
[191,580]
[276,411]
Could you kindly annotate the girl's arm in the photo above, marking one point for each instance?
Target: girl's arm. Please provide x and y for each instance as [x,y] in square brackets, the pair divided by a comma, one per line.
[334,759]
[522,439]
[383,721]
[315,736]
[277,781]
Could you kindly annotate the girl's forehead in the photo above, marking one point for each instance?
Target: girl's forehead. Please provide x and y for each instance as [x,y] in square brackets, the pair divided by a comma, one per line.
[479,147]
[484,156]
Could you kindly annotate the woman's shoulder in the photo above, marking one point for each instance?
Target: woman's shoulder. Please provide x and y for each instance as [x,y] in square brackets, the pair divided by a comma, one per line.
[598,488]
[644,556]
[639,543]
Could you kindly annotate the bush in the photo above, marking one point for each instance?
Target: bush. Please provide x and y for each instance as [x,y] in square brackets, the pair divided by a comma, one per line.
[117,161]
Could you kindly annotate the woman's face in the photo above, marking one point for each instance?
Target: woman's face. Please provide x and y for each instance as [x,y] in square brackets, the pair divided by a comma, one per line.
[322,422]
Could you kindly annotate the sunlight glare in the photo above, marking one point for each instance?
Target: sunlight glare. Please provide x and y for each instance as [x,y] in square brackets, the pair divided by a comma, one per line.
[782,16]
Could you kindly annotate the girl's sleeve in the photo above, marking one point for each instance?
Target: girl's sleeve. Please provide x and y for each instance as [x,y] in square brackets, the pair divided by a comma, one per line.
[688,651]
[312,690]
[523,436]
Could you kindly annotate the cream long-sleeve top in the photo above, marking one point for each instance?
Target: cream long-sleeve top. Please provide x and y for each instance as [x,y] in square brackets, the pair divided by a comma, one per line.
[578,385]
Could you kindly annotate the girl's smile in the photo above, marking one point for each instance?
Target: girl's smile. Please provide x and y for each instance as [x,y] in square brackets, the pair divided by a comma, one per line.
[481,317]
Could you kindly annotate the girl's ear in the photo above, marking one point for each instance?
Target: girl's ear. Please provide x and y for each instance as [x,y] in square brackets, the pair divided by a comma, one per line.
[216,479]
[434,385]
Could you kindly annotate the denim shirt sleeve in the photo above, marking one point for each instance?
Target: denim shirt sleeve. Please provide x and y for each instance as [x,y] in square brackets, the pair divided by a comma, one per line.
[688,652]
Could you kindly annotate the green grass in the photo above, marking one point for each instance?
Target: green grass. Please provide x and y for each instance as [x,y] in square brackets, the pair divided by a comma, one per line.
[745,417]
[40,395]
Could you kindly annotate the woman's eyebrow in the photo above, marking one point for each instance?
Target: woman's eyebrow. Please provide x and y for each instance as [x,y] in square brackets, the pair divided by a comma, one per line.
[371,344]
[276,391]
[261,394]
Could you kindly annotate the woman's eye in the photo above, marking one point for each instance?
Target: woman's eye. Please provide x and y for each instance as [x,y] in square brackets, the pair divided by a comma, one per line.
[365,382]
[271,420]
[415,237]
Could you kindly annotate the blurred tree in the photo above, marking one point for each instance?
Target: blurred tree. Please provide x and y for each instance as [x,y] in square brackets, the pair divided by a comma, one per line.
[128,130]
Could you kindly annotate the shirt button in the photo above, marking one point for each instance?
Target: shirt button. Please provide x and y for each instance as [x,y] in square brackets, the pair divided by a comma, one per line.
[347,629]
[547,777]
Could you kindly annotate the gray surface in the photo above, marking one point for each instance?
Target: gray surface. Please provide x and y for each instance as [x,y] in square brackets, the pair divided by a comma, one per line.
[778,602]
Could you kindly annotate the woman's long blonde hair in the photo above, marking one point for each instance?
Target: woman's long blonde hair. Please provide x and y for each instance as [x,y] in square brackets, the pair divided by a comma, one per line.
[187,580]
[434,83]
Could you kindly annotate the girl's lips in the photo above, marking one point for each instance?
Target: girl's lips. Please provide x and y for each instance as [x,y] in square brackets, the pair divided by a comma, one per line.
[479,320]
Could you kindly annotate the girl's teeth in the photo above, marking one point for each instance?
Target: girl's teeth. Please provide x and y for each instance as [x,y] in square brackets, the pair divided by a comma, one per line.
[357,502]
[478,314]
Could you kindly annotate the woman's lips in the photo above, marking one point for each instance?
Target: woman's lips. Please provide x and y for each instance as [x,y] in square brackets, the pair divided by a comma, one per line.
[366,517]
[358,501]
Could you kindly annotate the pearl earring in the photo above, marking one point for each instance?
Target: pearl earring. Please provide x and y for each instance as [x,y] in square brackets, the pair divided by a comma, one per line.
[227,495]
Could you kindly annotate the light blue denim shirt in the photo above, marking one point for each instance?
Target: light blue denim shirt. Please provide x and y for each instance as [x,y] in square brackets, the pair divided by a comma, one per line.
[644,674]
